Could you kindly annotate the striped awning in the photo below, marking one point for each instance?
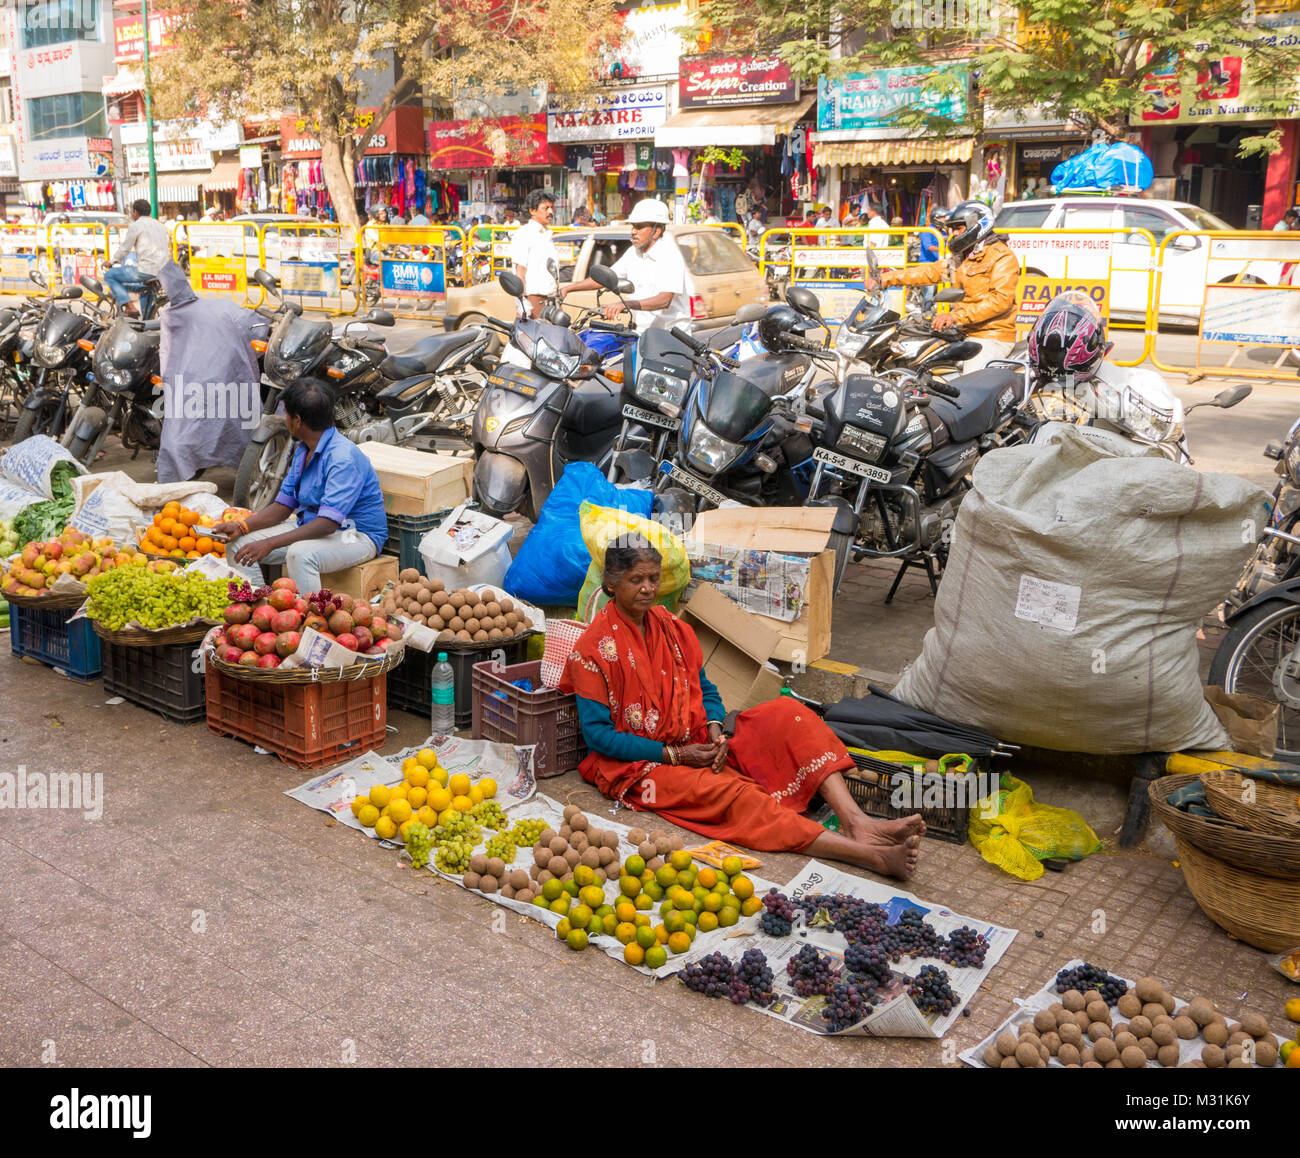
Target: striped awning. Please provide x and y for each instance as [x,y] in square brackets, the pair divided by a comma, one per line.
[927,152]
[223,178]
[170,192]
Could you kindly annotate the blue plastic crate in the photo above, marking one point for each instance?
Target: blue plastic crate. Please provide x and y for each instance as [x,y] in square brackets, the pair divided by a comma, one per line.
[50,637]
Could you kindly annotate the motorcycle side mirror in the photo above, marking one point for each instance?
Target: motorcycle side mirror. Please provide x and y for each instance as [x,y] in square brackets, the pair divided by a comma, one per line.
[1234,394]
[950,295]
[805,301]
[553,269]
[265,280]
[625,288]
[512,284]
[379,318]
[39,279]
[750,312]
[72,293]
[604,277]
[91,284]
[873,266]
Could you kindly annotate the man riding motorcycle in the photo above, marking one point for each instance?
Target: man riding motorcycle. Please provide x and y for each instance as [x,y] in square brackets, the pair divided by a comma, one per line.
[983,265]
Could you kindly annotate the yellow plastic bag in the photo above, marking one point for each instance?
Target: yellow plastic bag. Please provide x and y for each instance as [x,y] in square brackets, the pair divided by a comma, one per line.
[1016,835]
[604,525]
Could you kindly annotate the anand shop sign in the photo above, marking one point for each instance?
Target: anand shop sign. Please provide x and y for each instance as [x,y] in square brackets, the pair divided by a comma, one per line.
[718,81]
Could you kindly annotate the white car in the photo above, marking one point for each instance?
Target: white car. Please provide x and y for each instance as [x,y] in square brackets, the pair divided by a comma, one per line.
[1189,263]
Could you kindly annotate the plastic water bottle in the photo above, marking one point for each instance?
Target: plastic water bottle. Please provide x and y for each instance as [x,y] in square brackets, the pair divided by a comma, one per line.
[443,717]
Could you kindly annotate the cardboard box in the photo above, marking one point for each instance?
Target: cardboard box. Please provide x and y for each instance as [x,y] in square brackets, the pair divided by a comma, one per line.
[736,646]
[416,482]
[790,531]
[363,580]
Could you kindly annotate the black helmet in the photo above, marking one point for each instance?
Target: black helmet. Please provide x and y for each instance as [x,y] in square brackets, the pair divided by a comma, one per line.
[774,325]
[1069,337]
[978,220]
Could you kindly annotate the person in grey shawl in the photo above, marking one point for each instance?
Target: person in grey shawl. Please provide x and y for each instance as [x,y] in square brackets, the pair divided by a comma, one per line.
[211,383]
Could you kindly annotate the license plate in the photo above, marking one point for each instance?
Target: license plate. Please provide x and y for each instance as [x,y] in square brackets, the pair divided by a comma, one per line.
[692,484]
[648,417]
[830,458]
[508,384]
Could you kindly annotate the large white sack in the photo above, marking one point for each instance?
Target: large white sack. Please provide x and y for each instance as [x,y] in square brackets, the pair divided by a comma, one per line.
[1068,611]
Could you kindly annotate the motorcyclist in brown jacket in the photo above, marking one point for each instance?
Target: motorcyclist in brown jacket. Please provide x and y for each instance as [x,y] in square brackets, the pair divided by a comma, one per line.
[989,273]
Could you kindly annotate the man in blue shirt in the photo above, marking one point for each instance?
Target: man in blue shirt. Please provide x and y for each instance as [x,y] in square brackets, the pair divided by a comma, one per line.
[329,514]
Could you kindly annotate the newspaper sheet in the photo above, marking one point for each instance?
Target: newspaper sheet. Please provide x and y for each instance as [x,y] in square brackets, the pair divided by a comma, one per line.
[1188,1050]
[764,582]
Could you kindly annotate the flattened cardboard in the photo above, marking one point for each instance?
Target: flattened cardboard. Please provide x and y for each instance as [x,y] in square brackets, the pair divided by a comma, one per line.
[363,580]
[736,644]
[791,531]
[418,482]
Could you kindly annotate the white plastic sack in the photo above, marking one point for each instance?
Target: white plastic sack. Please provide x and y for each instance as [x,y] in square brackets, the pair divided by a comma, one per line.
[1068,612]
[114,504]
[13,498]
[466,549]
[30,462]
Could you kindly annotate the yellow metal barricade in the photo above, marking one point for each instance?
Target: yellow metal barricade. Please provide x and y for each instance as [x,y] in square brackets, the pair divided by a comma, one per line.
[1236,287]
[413,267]
[501,238]
[77,250]
[311,259]
[728,226]
[223,256]
[23,250]
[1117,268]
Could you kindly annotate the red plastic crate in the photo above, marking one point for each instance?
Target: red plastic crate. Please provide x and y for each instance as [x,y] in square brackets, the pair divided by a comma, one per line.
[547,718]
[306,725]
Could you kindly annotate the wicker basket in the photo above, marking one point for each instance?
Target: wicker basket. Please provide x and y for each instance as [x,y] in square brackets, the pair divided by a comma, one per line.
[48,602]
[1275,809]
[1262,911]
[1274,856]
[140,637]
[363,670]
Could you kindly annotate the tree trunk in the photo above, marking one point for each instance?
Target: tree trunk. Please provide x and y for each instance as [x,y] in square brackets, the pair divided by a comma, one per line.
[338,175]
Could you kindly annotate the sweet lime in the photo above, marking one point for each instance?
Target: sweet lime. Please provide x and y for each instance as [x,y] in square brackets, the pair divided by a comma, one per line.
[577,939]
[656,957]
[634,866]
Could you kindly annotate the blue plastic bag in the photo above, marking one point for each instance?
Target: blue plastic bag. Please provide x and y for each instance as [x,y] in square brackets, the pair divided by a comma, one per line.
[553,561]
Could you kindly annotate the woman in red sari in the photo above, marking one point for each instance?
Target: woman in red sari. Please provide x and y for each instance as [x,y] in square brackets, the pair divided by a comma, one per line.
[653,723]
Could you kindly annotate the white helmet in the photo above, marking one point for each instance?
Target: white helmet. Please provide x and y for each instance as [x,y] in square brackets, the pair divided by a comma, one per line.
[649,211]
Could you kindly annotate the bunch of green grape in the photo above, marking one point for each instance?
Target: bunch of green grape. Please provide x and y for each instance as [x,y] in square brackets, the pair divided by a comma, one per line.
[130,594]
[453,856]
[458,826]
[527,830]
[489,814]
[418,843]
[501,845]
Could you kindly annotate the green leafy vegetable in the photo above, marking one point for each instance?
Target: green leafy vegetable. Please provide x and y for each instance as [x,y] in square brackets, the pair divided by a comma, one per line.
[47,519]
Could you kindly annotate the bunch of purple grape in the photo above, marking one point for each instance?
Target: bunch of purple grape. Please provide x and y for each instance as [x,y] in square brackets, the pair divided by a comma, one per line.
[847,1003]
[755,977]
[912,937]
[811,972]
[869,961]
[965,948]
[778,914]
[711,975]
[931,991]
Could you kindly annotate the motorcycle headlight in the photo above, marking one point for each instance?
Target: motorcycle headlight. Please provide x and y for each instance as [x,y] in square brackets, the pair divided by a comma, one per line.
[1292,460]
[849,342]
[48,354]
[654,388]
[1149,422]
[869,446]
[549,360]
[114,376]
[285,369]
[706,451]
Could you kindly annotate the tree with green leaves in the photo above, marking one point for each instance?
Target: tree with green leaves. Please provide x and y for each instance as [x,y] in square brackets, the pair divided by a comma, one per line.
[318,60]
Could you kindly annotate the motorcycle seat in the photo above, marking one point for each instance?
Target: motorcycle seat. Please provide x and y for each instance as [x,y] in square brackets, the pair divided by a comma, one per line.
[974,412]
[592,409]
[428,354]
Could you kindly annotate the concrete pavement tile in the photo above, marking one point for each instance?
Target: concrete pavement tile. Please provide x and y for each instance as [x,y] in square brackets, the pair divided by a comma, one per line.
[121,1043]
[315,1043]
[394,1021]
[314,973]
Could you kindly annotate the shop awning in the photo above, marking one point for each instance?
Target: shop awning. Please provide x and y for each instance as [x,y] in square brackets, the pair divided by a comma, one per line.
[223,178]
[170,192]
[126,80]
[752,125]
[927,152]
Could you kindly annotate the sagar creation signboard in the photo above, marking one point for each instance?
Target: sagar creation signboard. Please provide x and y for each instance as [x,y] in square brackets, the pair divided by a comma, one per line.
[721,81]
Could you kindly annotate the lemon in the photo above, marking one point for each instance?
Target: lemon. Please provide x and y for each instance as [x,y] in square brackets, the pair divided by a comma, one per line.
[368,815]
[358,804]
[593,896]
[731,901]
[459,784]
[439,799]
[417,777]
[399,811]
[633,953]
[446,814]
[552,889]
[417,797]
[728,916]
[656,957]
[634,866]
[461,803]
[643,920]
[712,902]
[644,877]
[426,758]
[427,816]
[707,922]
[604,910]
[561,904]
[743,887]
[706,877]
[732,865]
[625,933]
[399,791]
[674,922]
[409,765]
[571,887]
[380,795]
[1293,1009]
[562,929]
[403,828]
[438,775]
[476,794]
[488,787]
[678,942]
[608,923]
[577,939]
[683,901]
[687,879]
[680,859]
[666,876]
[625,910]
[690,917]
[661,934]
[385,829]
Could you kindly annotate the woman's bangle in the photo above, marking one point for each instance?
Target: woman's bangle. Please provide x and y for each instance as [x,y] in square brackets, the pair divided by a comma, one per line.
[670,754]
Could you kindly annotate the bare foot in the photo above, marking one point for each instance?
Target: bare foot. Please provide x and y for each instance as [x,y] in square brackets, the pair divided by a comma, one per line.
[892,860]
[871,830]
[900,860]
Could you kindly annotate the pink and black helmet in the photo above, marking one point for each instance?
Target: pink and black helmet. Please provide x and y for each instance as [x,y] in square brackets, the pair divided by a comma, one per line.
[1069,337]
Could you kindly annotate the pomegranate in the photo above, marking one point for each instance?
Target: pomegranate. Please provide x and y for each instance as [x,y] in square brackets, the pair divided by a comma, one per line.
[348,640]
[300,605]
[264,644]
[285,584]
[285,621]
[340,621]
[249,659]
[282,599]
[378,626]
[381,645]
[394,631]
[269,661]
[347,602]
[315,623]
[287,643]
[364,638]
[245,636]
[237,613]
[262,616]
[230,653]
[219,641]
[362,614]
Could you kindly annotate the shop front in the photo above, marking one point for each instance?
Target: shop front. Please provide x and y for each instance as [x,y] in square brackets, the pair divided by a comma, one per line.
[747,104]
[871,164]
[481,167]
[1028,145]
[67,174]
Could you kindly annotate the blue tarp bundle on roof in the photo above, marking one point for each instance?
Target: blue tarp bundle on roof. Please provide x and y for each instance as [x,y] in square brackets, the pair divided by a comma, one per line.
[1104,167]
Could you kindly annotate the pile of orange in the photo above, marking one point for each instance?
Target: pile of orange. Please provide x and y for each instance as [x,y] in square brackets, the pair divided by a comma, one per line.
[178,533]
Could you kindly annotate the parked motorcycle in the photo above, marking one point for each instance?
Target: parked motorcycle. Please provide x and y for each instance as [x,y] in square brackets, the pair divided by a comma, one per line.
[1276,559]
[17,368]
[545,405]
[421,398]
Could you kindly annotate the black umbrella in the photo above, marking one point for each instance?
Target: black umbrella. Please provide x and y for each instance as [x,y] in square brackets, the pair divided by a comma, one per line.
[879,721]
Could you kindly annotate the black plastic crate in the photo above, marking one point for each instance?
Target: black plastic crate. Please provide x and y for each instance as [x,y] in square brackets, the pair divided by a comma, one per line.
[161,678]
[874,797]
[410,683]
[52,638]
[404,535]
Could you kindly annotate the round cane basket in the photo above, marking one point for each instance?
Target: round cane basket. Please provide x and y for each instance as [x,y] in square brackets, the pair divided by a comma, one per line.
[366,669]
[1275,808]
[1262,911]
[140,637]
[1274,856]
[48,602]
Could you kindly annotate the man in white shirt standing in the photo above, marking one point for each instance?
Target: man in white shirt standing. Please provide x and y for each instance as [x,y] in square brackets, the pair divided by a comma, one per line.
[532,250]
[149,240]
[654,266]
